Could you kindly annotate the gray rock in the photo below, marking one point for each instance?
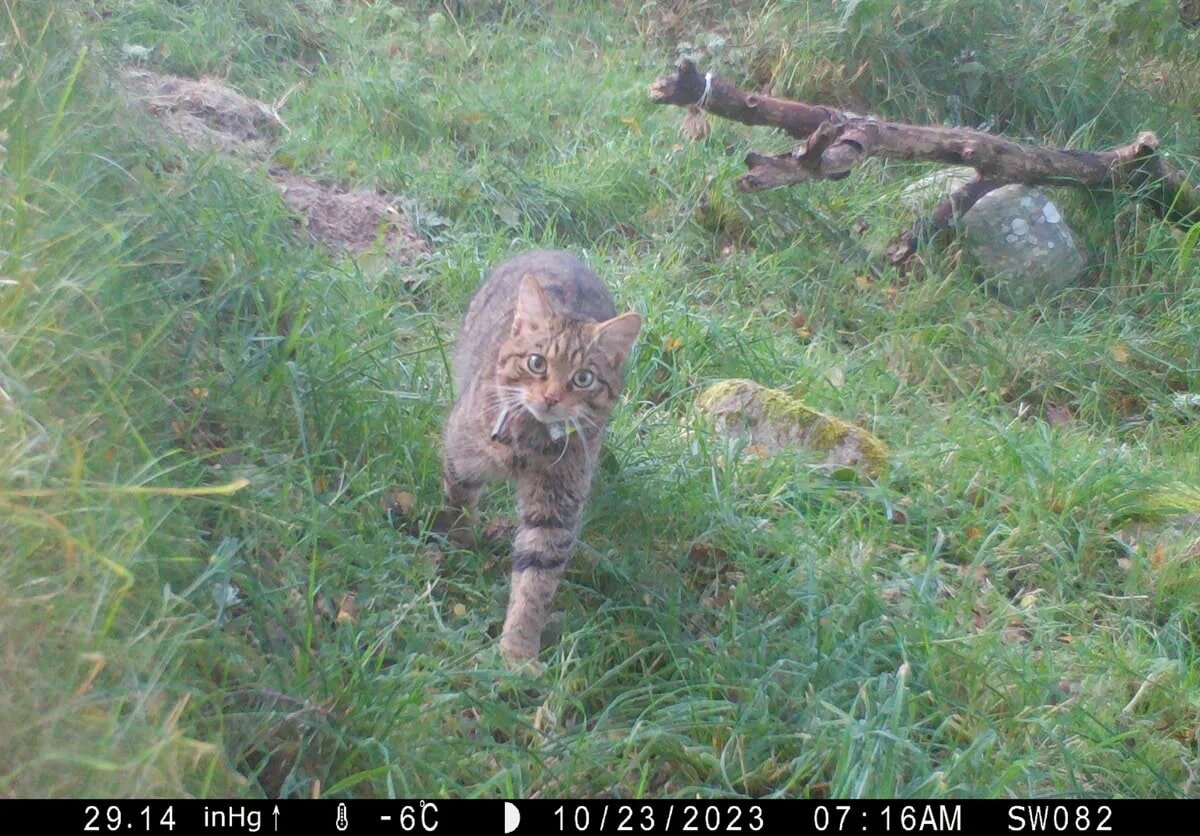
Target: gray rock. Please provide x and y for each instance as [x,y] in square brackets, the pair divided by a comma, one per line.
[921,196]
[773,422]
[1021,244]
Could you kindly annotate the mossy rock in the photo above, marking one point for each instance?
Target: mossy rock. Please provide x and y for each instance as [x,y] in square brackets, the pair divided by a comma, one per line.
[775,422]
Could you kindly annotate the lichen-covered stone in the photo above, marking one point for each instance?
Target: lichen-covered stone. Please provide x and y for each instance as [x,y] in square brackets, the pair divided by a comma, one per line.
[1021,244]
[774,422]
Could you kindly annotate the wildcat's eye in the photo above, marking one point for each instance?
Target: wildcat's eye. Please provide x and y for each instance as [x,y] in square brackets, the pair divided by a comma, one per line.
[536,363]
[583,378]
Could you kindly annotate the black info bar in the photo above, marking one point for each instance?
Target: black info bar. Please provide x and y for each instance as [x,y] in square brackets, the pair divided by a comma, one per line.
[186,817]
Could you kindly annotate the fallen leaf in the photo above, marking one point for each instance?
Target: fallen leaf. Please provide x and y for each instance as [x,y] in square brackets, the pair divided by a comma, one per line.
[863,281]
[459,610]
[632,124]
[672,344]
[323,605]
[399,503]
[800,323]
[1069,687]
[707,553]
[979,573]
[545,720]
[1124,564]
[836,376]
[1015,632]
[347,608]
[474,118]
[1157,556]
[1058,416]
[1120,353]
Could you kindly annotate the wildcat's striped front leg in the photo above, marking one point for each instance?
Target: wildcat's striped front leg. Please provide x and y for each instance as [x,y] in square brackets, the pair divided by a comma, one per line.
[549,508]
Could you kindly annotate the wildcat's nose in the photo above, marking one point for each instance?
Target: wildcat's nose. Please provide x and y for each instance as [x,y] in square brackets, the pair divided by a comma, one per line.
[552,398]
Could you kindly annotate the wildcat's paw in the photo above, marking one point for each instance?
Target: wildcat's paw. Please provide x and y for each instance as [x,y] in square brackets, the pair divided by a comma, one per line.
[531,668]
[522,660]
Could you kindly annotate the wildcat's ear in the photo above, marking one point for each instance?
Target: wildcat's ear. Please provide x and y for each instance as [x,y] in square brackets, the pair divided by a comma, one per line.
[533,306]
[616,335]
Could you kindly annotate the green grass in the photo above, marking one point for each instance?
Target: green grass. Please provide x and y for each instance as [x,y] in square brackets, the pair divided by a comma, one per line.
[979,622]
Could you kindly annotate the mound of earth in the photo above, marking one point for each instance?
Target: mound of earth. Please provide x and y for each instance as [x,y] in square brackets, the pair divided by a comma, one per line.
[208,115]
[351,221]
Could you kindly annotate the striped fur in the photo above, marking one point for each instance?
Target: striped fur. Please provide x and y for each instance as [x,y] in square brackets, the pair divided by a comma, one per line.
[538,367]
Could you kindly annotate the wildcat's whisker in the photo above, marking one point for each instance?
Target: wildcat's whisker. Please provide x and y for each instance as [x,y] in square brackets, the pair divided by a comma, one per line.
[587,454]
[566,440]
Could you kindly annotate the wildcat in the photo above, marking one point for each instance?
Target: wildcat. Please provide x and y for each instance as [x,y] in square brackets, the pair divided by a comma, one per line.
[538,365]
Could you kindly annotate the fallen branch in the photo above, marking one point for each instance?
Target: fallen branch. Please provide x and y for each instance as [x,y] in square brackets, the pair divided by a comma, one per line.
[942,218]
[835,141]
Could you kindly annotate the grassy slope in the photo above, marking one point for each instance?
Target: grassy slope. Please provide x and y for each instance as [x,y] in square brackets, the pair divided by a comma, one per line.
[971,625]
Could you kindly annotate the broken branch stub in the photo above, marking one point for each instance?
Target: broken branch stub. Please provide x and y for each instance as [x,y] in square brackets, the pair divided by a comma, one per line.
[960,201]
[720,98]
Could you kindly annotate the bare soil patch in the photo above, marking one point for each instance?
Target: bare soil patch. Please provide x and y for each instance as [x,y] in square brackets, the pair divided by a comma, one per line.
[208,115]
[351,221]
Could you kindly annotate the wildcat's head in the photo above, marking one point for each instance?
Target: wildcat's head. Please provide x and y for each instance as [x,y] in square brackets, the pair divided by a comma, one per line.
[563,370]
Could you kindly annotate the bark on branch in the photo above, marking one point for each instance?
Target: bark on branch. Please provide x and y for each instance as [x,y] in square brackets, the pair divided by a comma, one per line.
[835,141]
